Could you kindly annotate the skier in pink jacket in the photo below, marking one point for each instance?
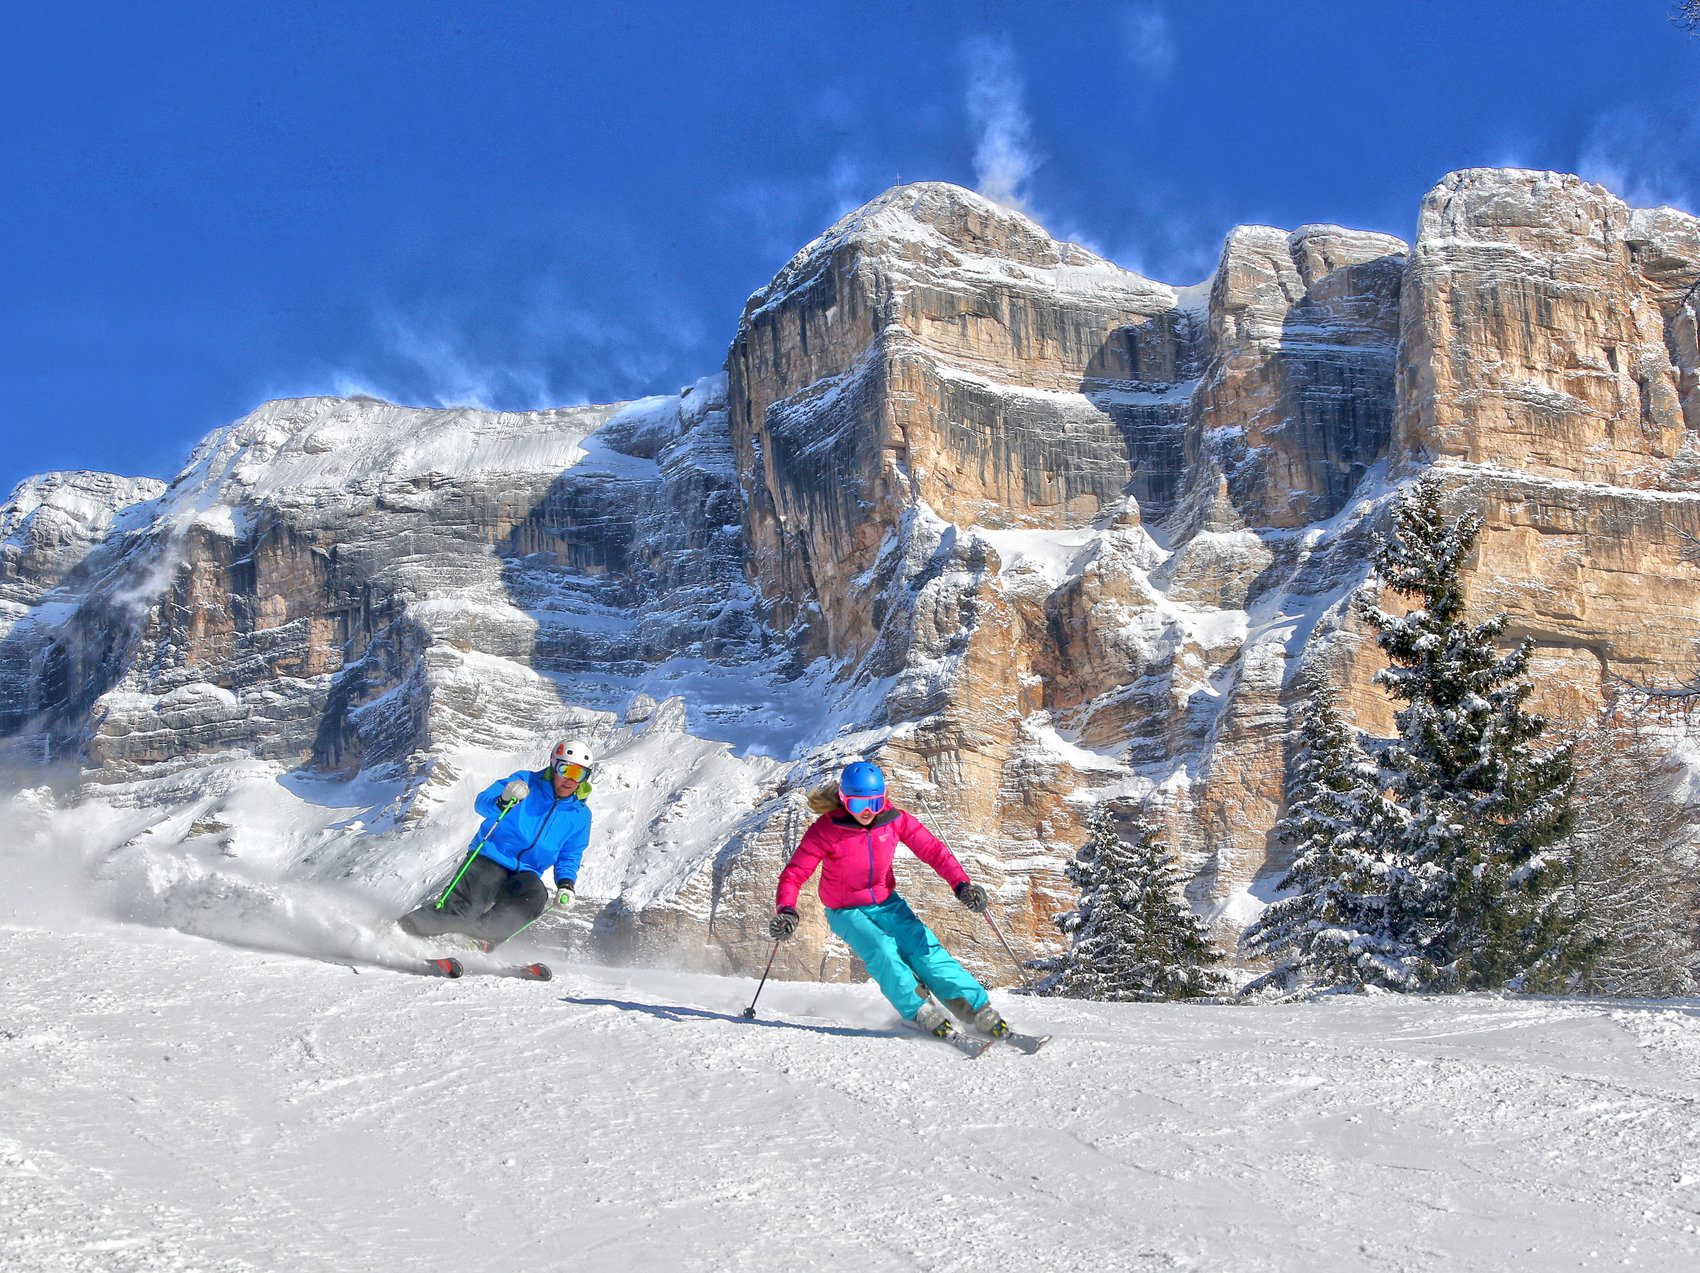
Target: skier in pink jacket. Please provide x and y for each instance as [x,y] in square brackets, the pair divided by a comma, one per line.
[853,843]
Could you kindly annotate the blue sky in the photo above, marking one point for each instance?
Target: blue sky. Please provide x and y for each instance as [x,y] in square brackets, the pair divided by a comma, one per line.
[529,204]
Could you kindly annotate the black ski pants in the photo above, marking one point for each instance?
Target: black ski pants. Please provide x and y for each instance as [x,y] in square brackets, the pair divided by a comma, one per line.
[490,903]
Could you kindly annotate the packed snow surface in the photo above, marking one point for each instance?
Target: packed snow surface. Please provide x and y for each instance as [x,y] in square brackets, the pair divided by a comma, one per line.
[173,1103]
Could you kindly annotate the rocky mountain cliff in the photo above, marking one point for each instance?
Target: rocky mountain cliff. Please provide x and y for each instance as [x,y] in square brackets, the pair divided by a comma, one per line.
[1031,530]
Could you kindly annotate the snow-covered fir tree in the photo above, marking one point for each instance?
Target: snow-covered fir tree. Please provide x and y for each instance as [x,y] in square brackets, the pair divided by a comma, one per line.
[1133,936]
[1482,894]
[1332,927]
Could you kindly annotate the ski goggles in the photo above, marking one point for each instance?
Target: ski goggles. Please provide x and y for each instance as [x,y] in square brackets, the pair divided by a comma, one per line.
[572,773]
[864,804]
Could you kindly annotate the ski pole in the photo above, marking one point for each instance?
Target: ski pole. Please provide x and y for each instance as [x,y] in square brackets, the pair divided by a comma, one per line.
[1025,985]
[528,923]
[750,1011]
[470,856]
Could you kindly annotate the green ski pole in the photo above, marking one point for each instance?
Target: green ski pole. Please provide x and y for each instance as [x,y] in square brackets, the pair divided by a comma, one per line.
[528,923]
[470,856]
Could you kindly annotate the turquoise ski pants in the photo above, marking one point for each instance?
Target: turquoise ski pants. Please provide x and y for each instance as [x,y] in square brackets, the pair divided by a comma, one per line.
[898,948]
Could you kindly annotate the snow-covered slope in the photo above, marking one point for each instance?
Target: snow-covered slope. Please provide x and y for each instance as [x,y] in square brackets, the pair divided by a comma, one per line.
[174,1105]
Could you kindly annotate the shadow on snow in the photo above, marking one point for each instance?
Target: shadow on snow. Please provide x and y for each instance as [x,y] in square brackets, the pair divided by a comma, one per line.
[672,1012]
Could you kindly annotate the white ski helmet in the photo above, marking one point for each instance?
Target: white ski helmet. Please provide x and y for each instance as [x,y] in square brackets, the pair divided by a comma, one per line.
[570,753]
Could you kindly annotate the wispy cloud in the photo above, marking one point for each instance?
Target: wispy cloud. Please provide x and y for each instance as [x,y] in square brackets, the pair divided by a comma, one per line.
[1146,39]
[1004,159]
[546,352]
[445,363]
[1646,156]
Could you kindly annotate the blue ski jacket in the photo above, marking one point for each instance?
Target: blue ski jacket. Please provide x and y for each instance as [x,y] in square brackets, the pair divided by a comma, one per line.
[540,832]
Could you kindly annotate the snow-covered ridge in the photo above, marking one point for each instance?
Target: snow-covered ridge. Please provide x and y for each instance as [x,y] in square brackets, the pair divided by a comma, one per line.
[942,228]
[49,528]
[304,448]
[52,518]
[86,497]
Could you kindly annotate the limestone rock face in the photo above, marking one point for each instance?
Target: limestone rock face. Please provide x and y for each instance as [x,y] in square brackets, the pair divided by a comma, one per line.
[52,522]
[1055,657]
[1548,364]
[1545,330]
[1296,404]
[389,606]
[316,584]
[52,528]
[936,348]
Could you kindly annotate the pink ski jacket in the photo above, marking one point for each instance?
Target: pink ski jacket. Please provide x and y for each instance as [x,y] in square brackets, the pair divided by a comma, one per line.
[855,861]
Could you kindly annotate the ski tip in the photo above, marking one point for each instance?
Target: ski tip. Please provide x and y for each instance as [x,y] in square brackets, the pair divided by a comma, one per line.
[448,966]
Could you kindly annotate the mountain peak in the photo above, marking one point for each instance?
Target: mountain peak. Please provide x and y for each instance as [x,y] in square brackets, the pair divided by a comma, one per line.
[939,225]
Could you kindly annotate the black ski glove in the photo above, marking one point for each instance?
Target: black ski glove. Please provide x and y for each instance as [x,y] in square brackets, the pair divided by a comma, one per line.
[783,924]
[972,896]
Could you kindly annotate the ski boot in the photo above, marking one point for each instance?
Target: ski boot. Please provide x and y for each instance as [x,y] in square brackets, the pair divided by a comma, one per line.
[930,1018]
[990,1022]
[986,1019]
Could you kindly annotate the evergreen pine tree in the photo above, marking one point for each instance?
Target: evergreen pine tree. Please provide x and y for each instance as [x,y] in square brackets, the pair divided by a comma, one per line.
[1332,929]
[1134,936]
[1482,894]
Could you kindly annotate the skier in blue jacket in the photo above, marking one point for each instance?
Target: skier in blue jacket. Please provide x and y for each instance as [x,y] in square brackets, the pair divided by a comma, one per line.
[533,821]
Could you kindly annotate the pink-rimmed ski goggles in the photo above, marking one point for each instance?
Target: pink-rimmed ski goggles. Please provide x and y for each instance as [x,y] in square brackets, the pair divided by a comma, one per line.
[864,804]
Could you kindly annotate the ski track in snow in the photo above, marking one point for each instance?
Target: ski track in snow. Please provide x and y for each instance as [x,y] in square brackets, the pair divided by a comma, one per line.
[175,1104]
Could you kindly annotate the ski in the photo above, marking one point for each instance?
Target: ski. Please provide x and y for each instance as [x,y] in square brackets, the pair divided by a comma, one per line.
[444,967]
[451,967]
[525,972]
[1028,1043]
[970,1047]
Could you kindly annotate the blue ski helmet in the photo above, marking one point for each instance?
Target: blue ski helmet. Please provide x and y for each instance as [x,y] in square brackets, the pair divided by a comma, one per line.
[861,779]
